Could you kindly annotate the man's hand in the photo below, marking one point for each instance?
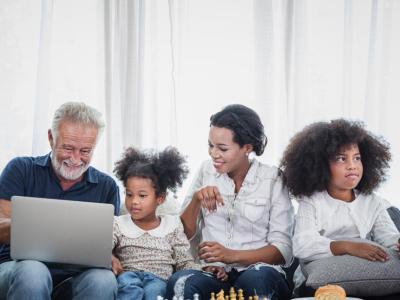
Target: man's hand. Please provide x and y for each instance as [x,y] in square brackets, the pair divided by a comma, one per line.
[219,272]
[116,266]
[209,197]
[215,252]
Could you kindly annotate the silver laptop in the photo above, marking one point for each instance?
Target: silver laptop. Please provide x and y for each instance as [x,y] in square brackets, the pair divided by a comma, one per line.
[61,231]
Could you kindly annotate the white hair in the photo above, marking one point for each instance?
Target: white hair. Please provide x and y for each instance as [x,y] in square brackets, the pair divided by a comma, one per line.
[77,112]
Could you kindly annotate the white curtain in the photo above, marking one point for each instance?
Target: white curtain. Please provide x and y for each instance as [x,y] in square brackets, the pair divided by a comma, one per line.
[159,69]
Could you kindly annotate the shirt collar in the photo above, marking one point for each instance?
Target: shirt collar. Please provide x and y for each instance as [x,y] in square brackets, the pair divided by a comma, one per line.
[131,230]
[251,173]
[45,161]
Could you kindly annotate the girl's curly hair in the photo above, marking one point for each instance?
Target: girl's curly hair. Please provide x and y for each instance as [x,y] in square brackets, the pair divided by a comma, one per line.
[305,162]
[166,169]
[245,124]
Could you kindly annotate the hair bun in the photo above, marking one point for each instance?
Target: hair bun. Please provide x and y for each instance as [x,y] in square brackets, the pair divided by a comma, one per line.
[330,292]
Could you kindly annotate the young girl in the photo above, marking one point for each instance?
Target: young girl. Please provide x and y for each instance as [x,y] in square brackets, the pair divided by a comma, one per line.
[148,247]
[239,211]
[332,168]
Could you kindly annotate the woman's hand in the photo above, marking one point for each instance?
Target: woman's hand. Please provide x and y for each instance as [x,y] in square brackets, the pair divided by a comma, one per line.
[215,252]
[209,197]
[219,272]
[116,266]
[363,250]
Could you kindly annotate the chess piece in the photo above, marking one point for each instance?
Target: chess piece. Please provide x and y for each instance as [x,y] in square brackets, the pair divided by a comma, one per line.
[240,294]
[221,295]
[232,294]
[212,296]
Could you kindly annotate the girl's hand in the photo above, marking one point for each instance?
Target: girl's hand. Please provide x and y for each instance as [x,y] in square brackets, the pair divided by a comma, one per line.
[209,197]
[116,266]
[219,272]
[367,251]
[215,252]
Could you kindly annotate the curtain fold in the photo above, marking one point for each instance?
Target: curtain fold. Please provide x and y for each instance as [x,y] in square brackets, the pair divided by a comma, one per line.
[159,69]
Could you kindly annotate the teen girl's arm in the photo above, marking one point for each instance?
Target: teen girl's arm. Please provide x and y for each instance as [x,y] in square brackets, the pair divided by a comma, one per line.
[308,243]
[359,249]
[384,230]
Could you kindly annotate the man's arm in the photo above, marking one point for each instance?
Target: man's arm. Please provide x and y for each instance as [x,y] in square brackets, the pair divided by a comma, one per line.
[5,221]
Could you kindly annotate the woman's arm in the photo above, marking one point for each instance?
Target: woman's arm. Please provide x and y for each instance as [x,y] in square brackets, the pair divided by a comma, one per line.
[207,197]
[214,252]
[281,221]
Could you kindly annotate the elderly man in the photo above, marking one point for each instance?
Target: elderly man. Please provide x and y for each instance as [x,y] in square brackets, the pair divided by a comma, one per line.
[62,174]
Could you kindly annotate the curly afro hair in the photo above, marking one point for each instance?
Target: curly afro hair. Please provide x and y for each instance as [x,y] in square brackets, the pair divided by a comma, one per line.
[245,124]
[166,169]
[305,162]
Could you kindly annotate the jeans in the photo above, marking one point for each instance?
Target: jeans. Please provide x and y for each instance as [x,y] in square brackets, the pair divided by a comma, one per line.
[140,285]
[257,280]
[29,279]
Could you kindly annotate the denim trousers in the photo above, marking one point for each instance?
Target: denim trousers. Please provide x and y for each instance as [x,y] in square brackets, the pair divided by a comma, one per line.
[258,280]
[33,280]
[140,285]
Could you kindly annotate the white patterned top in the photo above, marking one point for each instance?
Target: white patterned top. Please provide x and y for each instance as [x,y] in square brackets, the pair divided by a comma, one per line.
[322,219]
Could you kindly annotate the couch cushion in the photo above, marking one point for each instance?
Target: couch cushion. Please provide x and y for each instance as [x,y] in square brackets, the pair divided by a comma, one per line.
[358,276]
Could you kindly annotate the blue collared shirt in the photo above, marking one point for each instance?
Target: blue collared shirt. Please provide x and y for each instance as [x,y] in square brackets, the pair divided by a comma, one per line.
[35,177]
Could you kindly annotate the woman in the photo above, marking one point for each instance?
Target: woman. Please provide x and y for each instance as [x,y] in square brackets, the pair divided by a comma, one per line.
[239,211]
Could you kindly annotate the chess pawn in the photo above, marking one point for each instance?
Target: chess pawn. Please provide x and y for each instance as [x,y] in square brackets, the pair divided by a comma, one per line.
[255,297]
[196,296]
[212,296]
[240,294]
[221,295]
[232,294]
[250,298]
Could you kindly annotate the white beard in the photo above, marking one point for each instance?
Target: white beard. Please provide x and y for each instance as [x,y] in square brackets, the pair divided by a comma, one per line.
[64,171]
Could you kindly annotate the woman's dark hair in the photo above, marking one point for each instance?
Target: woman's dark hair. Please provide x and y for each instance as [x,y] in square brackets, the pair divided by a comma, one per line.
[166,169]
[245,124]
[305,162]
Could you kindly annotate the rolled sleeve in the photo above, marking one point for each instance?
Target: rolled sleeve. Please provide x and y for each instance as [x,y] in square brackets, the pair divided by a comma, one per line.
[281,221]
[384,230]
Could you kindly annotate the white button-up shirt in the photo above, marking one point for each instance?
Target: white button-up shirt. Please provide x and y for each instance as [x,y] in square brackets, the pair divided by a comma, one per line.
[260,214]
[322,219]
